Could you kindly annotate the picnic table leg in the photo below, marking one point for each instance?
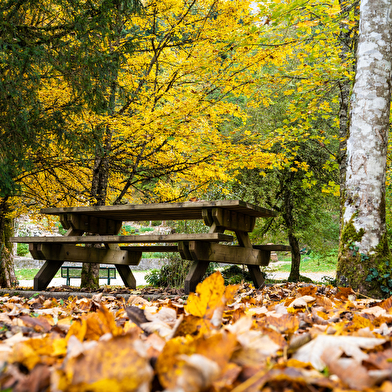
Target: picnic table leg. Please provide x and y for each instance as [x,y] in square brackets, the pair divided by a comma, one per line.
[127,276]
[195,274]
[46,274]
[257,276]
[124,270]
[254,270]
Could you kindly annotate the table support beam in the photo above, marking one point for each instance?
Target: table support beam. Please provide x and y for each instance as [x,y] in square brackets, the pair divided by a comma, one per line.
[195,275]
[127,276]
[46,274]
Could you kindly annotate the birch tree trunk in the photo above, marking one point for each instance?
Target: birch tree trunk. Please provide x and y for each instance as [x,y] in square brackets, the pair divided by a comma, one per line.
[364,253]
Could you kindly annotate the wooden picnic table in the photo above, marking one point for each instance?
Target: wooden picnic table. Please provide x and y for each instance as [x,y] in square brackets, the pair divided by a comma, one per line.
[102,224]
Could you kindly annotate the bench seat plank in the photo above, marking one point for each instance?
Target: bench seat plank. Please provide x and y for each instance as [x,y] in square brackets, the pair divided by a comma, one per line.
[119,239]
[79,254]
[274,247]
[151,248]
[212,252]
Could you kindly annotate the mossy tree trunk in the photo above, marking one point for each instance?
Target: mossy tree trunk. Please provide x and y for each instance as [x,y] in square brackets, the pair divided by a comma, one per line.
[99,185]
[7,272]
[364,254]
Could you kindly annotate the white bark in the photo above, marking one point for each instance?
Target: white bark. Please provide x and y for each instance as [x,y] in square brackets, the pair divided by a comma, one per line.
[368,136]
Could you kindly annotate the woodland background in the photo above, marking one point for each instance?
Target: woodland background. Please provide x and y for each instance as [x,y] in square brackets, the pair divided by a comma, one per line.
[110,102]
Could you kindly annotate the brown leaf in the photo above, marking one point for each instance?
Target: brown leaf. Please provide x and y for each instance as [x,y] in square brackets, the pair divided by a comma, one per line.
[308,290]
[227,378]
[136,315]
[40,324]
[351,345]
[344,293]
[286,323]
[38,380]
[349,370]
[119,364]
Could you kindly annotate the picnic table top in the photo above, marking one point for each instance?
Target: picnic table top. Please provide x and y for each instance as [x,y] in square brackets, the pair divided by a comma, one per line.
[162,211]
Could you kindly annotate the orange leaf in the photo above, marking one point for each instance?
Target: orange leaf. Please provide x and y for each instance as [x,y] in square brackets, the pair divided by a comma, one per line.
[119,364]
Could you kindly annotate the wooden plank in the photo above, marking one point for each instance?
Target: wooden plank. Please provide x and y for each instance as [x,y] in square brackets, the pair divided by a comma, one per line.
[233,220]
[114,239]
[183,248]
[127,276]
[46,274]
[275,247]
[205,251]
[151,248]
[243,239]
[90,224]
[207,217]
[257,276]
[72,253]
[162,211]
[195,274]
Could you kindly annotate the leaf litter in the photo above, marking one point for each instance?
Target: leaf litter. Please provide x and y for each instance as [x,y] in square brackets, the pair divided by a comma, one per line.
[286,337]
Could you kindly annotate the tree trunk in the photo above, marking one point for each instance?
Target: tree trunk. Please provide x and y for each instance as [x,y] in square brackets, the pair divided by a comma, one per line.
[348,41]
[99,187]
[293,240]
[7,272]
[363,251]
[295,258]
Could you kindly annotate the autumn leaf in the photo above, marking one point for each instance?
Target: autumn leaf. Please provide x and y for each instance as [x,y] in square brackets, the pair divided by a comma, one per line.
[206,306]
[119,364]
[351,345]
[208,297]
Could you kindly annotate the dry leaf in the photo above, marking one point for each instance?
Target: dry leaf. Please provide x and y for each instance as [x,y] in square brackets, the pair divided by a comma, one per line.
[350,345]
[119,364]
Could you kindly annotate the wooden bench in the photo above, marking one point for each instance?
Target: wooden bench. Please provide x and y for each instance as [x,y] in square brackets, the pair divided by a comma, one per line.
[103,224]
[69,272]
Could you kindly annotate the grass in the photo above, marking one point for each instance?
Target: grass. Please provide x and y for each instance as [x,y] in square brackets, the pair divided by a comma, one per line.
[29,273]
[314,263]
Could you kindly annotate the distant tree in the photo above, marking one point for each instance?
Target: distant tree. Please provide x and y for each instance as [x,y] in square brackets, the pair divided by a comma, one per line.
[303,209]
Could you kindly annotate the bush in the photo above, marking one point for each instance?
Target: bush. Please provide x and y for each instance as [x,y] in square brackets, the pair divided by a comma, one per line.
[173,273]
[61,229]
[145,229]
[127,230]
[22,249]
[234,274]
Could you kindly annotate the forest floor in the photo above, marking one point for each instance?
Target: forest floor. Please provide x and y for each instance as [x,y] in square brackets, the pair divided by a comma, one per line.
[285,337]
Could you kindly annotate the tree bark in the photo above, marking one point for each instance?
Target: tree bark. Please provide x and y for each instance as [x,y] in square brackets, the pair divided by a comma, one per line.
[364,251]
[289,220]
[7,272]
[99,187]
[295,258]
[348,42]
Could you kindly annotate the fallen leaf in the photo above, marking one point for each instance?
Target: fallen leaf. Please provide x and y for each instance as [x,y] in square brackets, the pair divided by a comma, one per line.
[350,345]
[119,364]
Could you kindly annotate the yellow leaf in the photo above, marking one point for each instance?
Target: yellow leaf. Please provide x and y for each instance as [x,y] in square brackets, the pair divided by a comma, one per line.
[118,365]
[208,296]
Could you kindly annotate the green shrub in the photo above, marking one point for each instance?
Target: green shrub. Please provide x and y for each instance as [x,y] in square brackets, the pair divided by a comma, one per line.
[173,273]
[145,229]
[156,223]
[128,230]
[22,249]
[234,274]
[61,229]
